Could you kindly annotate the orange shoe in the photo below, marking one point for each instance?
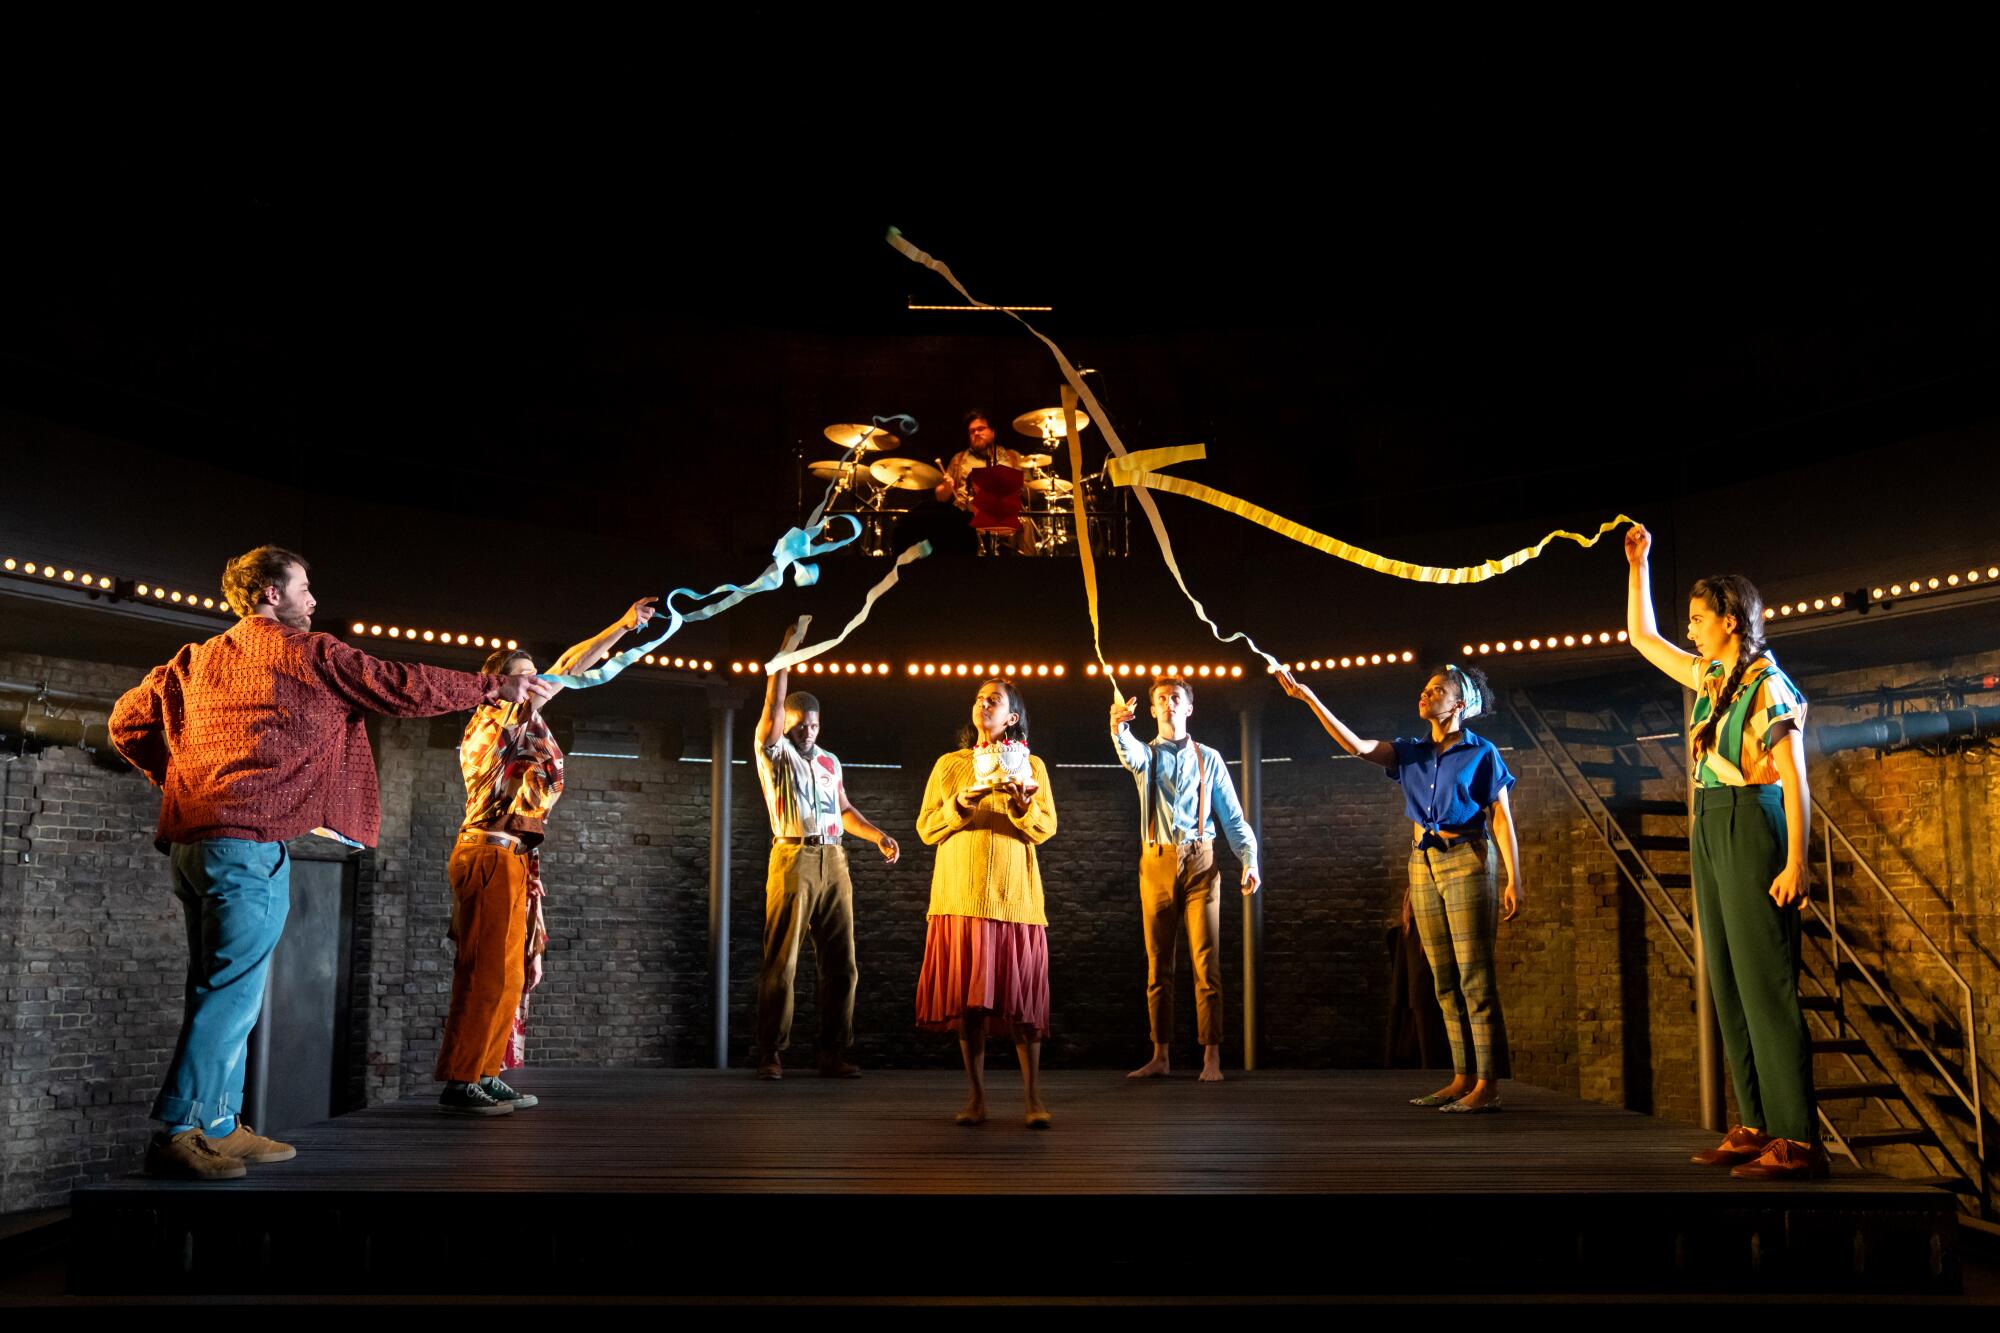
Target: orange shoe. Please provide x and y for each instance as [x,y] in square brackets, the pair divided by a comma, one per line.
[1740,1145]
[1785,1159]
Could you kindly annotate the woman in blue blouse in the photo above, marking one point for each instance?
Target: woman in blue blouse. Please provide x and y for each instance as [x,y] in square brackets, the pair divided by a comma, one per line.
[1455,794]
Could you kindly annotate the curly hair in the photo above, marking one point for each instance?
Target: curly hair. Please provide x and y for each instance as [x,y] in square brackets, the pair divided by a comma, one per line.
[1475,691]
[245,578]
[1729,595]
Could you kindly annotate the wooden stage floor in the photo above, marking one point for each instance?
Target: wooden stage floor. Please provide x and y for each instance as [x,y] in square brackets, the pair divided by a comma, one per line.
[1274,1183]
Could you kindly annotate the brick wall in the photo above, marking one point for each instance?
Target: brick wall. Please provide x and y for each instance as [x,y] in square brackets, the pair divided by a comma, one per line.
[1599,1004]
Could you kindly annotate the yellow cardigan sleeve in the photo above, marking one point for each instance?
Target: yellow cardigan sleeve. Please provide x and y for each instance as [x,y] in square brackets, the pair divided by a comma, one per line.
[940,815]
[1038,825]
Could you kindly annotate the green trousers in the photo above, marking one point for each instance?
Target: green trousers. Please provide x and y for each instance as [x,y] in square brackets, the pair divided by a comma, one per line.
[1752,950]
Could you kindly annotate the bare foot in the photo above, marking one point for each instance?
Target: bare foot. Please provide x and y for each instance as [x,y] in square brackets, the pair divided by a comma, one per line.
[1480,1095]
[1038,1115]
[972,1113]
[1153,1068]
[1211,1068]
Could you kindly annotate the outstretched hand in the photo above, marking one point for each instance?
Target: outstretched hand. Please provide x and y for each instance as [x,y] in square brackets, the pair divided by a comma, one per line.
[639,613]
[1638,544]
[1123,711]
[1290,684]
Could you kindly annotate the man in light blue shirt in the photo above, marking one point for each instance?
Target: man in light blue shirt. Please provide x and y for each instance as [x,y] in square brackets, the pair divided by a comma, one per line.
[1184,791]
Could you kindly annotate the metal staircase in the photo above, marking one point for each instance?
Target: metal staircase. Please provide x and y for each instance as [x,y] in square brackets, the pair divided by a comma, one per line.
[1911,1095]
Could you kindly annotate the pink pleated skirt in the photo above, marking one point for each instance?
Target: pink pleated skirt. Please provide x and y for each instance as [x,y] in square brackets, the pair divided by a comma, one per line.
[996,968]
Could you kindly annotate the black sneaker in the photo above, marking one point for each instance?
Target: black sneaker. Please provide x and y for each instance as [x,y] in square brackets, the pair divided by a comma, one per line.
[471,1099]
[500,1092]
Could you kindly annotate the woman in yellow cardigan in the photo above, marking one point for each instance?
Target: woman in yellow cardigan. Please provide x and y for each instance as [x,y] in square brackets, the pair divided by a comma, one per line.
[986,956]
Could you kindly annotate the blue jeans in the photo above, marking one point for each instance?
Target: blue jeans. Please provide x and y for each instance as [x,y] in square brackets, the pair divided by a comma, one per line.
[235,894]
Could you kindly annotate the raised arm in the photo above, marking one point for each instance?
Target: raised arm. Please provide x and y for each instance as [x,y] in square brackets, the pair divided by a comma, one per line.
[1380,753]
[1640,626]
[1131,750]
[583,656]
[771,722]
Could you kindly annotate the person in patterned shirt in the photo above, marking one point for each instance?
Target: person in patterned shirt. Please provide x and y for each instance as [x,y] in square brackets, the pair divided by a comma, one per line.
[1749,841]
[513,771]
[254,738]
[806,888]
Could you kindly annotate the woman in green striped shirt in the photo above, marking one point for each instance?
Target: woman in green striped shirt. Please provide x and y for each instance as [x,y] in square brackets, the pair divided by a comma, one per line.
[1750,834]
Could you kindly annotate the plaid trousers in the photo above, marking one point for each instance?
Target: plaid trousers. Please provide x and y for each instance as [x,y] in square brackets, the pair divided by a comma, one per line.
[1455,897]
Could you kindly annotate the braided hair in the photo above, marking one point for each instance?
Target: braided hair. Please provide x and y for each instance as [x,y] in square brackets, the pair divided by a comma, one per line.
[1729,595]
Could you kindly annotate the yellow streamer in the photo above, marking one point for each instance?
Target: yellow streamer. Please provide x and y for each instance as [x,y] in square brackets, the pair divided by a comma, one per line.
[1118,450]
[1141,469]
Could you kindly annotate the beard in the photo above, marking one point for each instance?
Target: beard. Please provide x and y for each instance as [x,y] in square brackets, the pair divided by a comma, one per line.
[295,618]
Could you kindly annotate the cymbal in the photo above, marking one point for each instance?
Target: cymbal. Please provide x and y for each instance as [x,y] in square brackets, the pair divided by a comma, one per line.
[1036,460]
[1051,486]
[906,474]
[1034,423]
[830,468]
[870,438]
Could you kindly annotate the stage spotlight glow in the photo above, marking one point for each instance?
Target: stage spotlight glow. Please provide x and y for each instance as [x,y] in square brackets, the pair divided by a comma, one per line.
[1895,590]
[1932,585]
[1204,671]
[1347,661]
[512,645]
[1090,670]
[1315,664]
[9,564]
[479,641]
[1569,640]
[1060,669]
[376,630]
[1819,603]
[394,633]
[1621,636]
[1953,581]
[159,592]
[1836,600]
[176,597]
[69,576]
[1468,650]
[48,571]
[1485,648]
[1375,659]
[1042,669]
[1236,671]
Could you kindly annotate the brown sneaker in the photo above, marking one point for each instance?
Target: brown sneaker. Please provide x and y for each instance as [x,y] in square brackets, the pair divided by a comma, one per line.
[247,1145]
[1738,1146]
[770,1069]
[838,1068]
[190,1156]
[1785,1159]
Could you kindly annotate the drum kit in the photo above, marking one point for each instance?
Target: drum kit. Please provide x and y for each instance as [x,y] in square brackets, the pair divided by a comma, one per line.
[880,488]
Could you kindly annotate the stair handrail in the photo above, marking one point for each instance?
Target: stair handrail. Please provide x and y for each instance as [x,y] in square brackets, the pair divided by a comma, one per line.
[1522,701]
[1972,1101]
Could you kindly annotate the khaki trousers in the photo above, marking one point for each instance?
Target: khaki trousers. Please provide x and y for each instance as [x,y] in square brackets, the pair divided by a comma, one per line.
[1180,885]
[806,890]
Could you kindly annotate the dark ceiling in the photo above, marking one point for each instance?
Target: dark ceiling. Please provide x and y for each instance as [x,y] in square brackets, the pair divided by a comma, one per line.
[1398,303]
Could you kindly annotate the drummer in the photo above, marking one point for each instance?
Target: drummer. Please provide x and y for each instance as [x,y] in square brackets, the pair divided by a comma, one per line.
[983,449]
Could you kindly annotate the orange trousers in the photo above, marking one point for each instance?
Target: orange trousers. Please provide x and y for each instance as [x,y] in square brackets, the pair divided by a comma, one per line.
[489,925]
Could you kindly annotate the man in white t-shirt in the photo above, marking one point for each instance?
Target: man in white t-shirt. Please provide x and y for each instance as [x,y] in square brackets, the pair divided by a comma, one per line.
[806,889]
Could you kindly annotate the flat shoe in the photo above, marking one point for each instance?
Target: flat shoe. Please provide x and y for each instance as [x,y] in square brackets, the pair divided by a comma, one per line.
[968,1118]
[1460,1108]
[1038,1119]
[1436,1099]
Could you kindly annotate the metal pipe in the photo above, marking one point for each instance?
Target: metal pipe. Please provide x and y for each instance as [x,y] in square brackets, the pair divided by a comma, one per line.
[1253,904]
[722,733]
[24,723]
[66,698]
[1888,733]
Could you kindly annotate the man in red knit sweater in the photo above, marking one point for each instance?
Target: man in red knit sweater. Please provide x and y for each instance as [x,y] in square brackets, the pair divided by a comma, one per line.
[256,737]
